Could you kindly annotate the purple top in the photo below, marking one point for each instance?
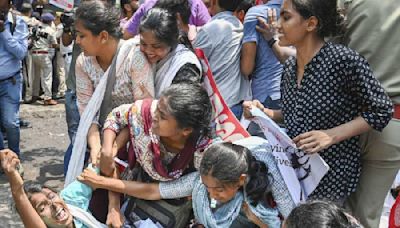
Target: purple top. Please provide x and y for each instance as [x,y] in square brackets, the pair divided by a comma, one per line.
[123,22]
[199,15]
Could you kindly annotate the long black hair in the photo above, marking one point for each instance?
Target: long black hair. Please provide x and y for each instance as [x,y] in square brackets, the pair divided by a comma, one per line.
[183,8]
[190,105]
[97,16]
[330,22]
[163,23]
[226,162]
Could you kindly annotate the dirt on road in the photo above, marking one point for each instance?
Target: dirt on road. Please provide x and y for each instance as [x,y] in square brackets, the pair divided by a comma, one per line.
[42,153]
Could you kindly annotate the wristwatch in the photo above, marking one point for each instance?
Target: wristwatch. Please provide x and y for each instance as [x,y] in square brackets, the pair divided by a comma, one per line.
[271,42]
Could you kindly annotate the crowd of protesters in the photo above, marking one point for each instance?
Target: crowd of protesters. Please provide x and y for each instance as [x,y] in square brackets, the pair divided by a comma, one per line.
[141,121]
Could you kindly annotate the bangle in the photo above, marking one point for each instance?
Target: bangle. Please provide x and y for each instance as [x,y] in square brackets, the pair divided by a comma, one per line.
[271,42]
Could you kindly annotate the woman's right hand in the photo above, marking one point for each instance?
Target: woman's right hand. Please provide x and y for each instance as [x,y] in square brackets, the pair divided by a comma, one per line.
[114,218]
[9,161]
[268,28]
[90,178]
[247,106]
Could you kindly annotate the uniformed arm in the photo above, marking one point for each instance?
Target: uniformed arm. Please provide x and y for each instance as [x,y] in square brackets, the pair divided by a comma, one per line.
[16,44]
[53,40]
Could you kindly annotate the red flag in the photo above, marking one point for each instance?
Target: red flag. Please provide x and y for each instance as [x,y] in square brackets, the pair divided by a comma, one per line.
[227,126]
[394,217]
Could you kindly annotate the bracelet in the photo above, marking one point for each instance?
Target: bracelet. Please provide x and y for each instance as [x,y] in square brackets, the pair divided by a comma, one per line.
[271,42]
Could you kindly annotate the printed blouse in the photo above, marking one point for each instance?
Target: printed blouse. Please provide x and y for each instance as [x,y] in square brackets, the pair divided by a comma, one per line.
[133,71]
[338,86]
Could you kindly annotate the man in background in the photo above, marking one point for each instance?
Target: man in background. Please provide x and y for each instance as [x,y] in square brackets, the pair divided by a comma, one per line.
[373,28]
[13,49]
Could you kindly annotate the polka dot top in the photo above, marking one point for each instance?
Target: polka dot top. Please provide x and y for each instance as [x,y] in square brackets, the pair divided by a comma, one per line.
[337,87]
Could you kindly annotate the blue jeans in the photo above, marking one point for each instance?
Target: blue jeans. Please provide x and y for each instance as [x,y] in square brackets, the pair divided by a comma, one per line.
[237,110]
[253,128]
[10,95]
[72,117]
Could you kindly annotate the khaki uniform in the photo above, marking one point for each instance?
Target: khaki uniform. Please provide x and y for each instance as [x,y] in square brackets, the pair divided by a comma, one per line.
[42,55]
[374,31]
[60,66]
[27,68]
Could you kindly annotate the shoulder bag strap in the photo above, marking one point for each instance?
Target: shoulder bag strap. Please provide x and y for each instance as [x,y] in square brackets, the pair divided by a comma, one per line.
[106,105]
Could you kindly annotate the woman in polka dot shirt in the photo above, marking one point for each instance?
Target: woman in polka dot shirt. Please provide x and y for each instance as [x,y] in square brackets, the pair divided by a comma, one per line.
[329,95]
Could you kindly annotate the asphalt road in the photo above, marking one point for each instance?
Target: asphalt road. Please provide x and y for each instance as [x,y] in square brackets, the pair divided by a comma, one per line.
[42,151]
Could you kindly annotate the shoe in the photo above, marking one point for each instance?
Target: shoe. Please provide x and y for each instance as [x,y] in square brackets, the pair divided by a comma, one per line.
[60,95]
[24,124]
[50,102]
[31,101]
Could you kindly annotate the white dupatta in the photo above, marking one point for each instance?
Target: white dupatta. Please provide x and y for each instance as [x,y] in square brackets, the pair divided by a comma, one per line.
[169,67]
[90,113]
[85,217]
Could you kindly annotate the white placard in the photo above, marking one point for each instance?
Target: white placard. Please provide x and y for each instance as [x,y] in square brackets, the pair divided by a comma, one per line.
[301,172]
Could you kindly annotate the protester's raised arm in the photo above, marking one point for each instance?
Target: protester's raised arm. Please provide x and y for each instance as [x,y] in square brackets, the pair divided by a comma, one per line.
[29,216]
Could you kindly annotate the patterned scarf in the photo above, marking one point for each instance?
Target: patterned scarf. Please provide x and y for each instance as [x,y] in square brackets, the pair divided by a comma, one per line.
[145,148]
[225,215]
[222,217]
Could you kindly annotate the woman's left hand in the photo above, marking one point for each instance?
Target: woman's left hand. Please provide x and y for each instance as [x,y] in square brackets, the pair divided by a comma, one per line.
[314,141]
[90,178]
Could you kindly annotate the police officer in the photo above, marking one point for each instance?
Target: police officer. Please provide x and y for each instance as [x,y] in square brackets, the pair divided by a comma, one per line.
[13,48]
[42,55]
[60,66]
[27,67]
